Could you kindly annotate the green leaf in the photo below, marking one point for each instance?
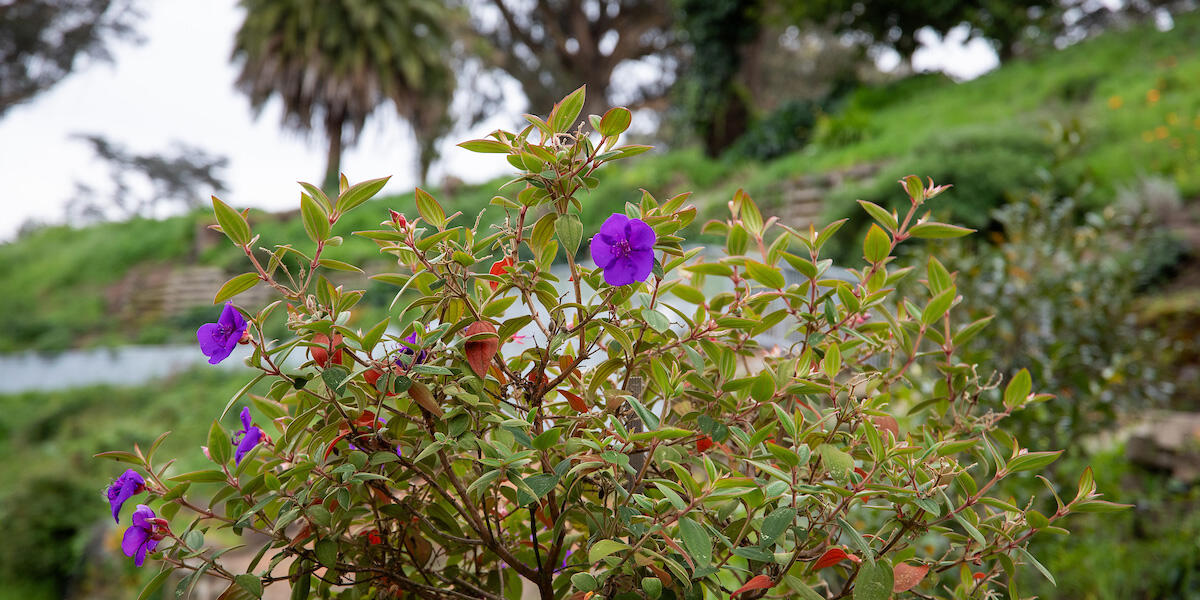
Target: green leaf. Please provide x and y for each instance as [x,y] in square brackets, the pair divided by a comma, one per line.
[833,360]
[615,121]
[219,446]
[154,584]
[584,582]
[603,548]
[1032,461]
[643,413]
[232,222]
[485,146]
[547,439]
[430,210]
[326,551]
[316,222]
[971,530]
[207,476]
[877,245]
[938,306]
[671,496]
[875,581]
[236,286]
[359,193]
[765,275]
[1018,389]
[567,110]
[697,541]
[1037,565]
[776,523]
[938,231]
[541,484]
[250,583]
[570,232]
[656,320]
[840,464]
[338,265]
[880,214]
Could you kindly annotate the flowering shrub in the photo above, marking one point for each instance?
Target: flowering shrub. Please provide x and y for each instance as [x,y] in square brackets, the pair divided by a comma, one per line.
[639,443]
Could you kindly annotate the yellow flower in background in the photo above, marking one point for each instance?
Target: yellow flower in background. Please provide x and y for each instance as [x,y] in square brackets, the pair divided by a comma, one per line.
[1115,102]
[1172,119]
[1153,96]
[1161,132]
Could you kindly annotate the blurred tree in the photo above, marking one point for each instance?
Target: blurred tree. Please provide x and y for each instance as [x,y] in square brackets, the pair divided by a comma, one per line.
[553,46]
[41,41]
[1007,25]
[141,183]
[335,62]
[713,102]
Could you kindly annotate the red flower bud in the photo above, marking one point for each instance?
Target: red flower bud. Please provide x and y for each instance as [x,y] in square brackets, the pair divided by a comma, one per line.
[398,219]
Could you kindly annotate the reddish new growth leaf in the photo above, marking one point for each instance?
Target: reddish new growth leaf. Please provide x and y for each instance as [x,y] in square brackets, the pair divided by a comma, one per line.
[832,557]
[704,444]
[481,351]
[321,355]
[575,401]
[758,582]
[887,423]
[906,577]
[499,267]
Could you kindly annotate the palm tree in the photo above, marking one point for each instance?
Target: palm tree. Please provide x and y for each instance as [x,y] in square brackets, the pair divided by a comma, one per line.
[332,62]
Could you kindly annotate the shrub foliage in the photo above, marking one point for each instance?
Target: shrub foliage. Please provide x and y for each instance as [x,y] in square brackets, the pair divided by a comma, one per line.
[513,427]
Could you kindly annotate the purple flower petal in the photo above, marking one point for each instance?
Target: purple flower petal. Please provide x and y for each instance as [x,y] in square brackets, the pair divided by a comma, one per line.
[135,537]
[614,227]
[253,437]
[602,252]
[621,272]
[643,261]
[142,516]
[245,417]
[641,236]
[232,319]
[128,485]
[210,340]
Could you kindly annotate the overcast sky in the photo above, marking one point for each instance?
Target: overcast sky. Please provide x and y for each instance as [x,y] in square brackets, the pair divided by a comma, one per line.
[178,87]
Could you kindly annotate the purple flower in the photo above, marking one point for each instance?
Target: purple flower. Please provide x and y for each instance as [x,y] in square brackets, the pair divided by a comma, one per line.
[420,357]
[624,249]
[143,536]
[128,485]
[250,436]
[217,340]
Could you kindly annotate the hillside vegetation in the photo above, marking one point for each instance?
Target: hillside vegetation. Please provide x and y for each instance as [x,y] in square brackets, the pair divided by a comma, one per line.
[1100,113]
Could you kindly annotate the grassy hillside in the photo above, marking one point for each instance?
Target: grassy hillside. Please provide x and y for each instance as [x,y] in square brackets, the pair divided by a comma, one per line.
[53,499]
[1127,105]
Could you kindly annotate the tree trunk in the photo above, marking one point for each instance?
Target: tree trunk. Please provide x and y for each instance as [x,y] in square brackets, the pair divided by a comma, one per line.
[333,129]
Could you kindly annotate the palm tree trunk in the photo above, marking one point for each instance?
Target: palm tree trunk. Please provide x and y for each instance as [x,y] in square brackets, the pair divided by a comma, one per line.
[333,128]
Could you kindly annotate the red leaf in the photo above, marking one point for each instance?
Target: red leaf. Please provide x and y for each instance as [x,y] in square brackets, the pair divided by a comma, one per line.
[831,557]
[704,443]
[321,355]
[480,352]
[499,267]
[887,423]
[758,582]
[575,401]
[906,577]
